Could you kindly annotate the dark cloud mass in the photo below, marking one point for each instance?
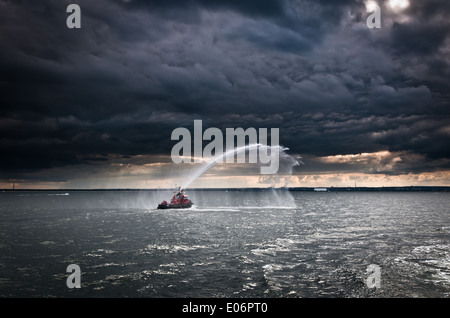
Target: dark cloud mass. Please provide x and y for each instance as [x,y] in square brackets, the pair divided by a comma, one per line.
[138,69]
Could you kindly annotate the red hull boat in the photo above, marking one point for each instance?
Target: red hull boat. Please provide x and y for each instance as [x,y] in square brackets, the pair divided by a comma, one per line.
[179,200]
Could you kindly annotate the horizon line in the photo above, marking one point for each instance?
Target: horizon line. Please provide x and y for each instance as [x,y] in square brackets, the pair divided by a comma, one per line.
[348,188]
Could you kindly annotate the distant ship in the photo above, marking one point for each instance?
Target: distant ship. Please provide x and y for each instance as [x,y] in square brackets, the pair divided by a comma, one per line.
[179,200]
[321,190]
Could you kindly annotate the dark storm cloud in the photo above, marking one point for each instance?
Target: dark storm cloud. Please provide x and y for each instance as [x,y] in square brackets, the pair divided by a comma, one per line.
[138,69]
[417,38]
[252,7]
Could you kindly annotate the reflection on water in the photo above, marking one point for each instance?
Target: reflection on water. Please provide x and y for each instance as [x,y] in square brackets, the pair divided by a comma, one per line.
[231,244]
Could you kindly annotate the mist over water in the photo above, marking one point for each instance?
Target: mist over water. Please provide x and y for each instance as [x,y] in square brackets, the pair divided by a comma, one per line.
[285,161]
[271,198]
[239,198]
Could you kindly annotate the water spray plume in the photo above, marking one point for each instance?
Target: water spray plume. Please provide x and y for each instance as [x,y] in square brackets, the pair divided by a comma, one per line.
[289,161]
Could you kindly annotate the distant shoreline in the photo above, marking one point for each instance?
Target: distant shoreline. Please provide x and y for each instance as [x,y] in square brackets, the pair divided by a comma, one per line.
[305,189]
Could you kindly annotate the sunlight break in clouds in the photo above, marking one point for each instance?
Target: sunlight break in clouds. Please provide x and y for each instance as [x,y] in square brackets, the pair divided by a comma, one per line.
[381,159]
[398,5]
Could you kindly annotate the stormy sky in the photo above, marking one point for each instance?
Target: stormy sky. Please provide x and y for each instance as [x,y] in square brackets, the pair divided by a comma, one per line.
[95,107]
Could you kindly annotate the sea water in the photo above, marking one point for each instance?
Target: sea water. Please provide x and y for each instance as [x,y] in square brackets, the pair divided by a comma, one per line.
[230,244]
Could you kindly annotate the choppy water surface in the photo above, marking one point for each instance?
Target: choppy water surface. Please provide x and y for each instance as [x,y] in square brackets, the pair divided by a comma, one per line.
[231,244]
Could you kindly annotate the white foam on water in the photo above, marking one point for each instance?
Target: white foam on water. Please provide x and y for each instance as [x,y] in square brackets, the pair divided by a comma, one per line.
[172,248]
[436,258]
[280,245]
[432,259]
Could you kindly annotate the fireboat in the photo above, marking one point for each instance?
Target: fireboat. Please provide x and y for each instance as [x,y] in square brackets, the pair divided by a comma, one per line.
[179,200]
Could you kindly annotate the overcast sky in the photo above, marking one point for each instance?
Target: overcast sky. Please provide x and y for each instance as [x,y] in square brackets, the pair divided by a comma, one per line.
[95,107]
